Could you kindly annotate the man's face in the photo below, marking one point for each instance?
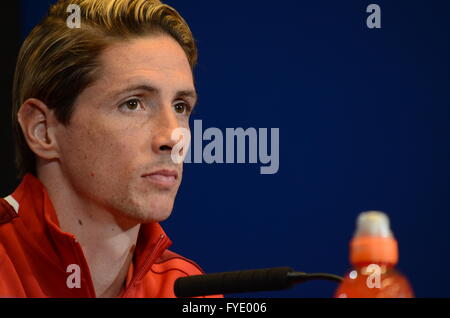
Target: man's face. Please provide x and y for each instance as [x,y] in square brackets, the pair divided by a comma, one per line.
[119,134]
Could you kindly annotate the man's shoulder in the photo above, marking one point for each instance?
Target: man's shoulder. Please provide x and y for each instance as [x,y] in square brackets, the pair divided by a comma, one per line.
[10,244]
[10,281]
[8,233]
[7,211]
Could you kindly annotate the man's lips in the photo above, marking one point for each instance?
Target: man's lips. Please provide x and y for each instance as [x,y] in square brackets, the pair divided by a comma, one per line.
[165,178]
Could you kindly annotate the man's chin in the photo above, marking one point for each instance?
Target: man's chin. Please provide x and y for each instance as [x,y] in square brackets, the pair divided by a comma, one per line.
[143,211]
[154,218]
[151,214]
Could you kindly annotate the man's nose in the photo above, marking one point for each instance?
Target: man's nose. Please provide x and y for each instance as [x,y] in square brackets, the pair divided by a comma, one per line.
[165,124]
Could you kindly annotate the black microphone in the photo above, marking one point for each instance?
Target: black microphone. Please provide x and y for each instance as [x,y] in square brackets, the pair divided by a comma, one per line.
[266,279]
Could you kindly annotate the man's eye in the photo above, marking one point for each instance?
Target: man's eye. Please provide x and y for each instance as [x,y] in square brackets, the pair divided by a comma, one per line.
[132,104]
[181,108]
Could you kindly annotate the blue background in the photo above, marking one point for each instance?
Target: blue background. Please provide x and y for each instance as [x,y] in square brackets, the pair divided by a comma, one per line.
[364,124]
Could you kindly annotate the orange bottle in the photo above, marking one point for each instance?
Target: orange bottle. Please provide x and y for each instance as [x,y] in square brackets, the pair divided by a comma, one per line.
[373,255]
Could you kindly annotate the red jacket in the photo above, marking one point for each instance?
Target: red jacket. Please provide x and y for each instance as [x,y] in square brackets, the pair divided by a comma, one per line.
[36,256]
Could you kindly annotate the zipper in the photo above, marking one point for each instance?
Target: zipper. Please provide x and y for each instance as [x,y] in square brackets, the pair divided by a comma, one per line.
[148,262]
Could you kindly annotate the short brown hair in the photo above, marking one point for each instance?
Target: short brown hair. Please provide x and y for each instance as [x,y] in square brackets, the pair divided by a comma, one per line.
[56,63]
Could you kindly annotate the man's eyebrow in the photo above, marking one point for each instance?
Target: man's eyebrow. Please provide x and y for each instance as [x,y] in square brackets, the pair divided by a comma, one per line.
[151,89]
[187,93]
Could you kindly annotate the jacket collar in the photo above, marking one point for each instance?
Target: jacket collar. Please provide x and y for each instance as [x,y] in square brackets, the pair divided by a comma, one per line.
[40,220]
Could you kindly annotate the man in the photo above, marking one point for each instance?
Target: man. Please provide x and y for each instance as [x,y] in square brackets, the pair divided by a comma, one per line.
[94,111]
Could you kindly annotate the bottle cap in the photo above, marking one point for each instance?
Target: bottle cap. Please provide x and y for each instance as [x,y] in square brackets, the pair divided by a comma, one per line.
[373,223]
[373,241]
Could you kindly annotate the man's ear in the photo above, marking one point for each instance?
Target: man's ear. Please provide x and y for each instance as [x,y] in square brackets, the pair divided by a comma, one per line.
[38,126]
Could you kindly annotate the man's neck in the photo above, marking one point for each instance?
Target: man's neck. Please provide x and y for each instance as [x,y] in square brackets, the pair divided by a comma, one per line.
[107,241]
